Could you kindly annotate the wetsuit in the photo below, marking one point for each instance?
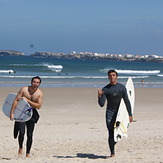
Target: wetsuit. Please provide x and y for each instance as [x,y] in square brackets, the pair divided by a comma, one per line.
[19,127]
[113,94]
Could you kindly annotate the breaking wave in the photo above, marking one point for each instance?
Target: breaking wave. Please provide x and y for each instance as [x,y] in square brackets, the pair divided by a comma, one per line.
[7,71]
[52,67]
[134,72]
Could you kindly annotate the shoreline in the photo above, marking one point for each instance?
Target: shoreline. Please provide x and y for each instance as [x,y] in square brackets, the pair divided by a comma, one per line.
[79,85]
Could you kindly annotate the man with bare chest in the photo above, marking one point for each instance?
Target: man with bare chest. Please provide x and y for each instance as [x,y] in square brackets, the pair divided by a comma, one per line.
[33,95]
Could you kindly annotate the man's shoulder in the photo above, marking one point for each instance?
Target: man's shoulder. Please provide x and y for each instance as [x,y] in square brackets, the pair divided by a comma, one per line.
[107,86]
[40,92]
[123,87]
[120,84]
[24,88]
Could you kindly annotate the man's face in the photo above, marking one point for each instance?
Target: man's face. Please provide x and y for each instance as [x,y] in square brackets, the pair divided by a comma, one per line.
[112,77]
[35,83]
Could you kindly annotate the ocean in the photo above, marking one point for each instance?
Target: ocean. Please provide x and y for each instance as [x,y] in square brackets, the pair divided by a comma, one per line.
[17,71]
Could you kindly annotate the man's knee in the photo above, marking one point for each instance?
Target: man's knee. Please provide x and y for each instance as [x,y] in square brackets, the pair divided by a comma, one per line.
[21,133]
[29,135]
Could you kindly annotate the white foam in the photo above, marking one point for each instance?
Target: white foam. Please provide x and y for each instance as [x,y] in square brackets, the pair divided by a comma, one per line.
[55,68]
[160,75]
[7,71]
[140,72]
[52,67]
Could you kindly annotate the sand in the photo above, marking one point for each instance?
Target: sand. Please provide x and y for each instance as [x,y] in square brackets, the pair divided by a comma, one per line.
[72,129]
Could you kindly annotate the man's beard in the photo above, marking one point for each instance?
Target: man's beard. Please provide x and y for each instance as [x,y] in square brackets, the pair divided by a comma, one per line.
[35,87]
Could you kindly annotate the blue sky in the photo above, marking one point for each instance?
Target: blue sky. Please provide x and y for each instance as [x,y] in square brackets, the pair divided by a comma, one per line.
[107,26]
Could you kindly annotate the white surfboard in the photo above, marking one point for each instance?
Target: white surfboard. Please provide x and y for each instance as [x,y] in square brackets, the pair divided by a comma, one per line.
[23,111]
[122,120]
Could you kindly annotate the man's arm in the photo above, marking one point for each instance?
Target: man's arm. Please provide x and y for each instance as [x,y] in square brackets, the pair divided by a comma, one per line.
[101,97]
[17,98]
[128,104]
[37,104]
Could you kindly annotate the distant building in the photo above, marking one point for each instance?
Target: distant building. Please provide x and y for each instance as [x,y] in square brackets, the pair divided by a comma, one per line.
[129,55]
[73,52]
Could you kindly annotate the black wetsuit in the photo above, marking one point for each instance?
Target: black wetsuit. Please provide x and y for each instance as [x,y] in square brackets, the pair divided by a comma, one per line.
[19,127]
[113,94]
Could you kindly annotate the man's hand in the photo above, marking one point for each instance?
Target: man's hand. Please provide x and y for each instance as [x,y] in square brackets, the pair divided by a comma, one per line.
[11,116]
[131,119]
[24,98]
[100,92]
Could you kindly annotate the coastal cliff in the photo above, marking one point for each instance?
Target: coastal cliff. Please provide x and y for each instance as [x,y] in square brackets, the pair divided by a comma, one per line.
[11,53]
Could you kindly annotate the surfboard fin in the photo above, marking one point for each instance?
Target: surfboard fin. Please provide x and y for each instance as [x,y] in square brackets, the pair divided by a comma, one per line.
[119,136]
[28,111]
[118,124]
[130,92]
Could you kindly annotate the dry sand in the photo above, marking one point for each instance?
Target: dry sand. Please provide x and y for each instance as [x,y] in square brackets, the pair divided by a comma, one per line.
[72,129]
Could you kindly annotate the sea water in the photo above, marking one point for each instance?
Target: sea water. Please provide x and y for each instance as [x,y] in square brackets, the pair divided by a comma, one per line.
[18,71]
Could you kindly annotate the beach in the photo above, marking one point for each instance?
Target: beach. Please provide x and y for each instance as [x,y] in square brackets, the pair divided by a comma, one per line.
[72,129]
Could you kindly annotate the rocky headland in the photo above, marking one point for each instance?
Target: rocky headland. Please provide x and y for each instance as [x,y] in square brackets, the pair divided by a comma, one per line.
[87,55]
[11,53]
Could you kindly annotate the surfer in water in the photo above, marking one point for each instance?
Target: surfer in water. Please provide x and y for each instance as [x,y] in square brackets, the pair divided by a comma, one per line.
[113,92]
[33,95]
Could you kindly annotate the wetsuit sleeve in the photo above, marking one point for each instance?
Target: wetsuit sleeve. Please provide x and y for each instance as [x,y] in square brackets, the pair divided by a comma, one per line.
[102,99]
[127,102]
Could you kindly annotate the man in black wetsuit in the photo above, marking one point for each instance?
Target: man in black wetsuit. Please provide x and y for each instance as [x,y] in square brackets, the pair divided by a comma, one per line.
[33,95]
[113,92]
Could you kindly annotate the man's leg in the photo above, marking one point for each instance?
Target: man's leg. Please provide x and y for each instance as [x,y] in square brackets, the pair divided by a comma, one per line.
[111,135]
[21,126]
[110,120]
[30,129]
[111,142]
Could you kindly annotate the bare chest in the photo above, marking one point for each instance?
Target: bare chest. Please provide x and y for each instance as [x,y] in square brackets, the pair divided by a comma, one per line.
[33,97]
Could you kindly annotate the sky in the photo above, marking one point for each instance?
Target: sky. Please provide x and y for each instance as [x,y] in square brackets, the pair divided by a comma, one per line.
[102,26]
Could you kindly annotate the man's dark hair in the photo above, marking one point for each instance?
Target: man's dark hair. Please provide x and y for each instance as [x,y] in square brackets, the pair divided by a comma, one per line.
[36,77]
[110,71]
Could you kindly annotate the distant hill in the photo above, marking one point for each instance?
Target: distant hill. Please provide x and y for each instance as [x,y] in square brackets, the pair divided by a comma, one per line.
[87,55]
[94,56]
[11,53]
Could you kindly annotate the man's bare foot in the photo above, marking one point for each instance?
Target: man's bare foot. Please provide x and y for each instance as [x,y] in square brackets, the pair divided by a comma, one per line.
[20,152]
[28,155]
[112,155]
